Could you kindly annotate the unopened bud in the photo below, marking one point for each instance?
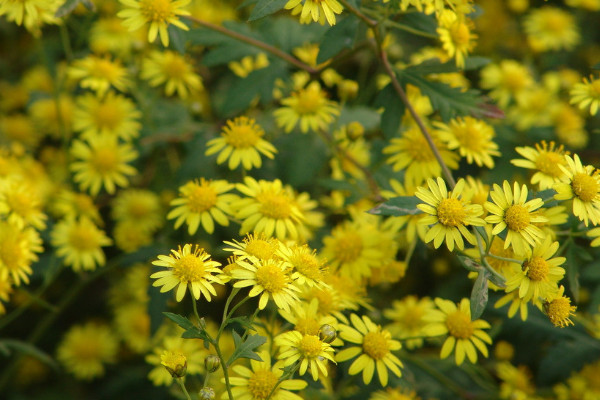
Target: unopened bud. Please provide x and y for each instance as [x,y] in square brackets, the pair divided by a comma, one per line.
[354,130]
[175,362]
[347,89]
[327,333]
[207,393]
[212,363]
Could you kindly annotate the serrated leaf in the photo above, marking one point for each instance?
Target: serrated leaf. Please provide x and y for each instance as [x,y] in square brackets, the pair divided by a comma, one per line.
[479,294]
[396,206]
[393,111]
[266,7]
[337,38]
[195,333]
[29,349]
[245,349]
[180,320]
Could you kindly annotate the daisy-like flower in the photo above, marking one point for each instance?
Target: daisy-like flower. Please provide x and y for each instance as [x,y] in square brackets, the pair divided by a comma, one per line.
[539,273]
[307,320]
[516,304]
[448,213]
[132,323]
[315,10]
[31,13]
[545,159]
[21,204]
[53,116]
[582,185]
[587,94]
[99,74]
[80,242]
[189,268]
[408,319]
[241,142]
[559,309]
[309,350]
[70,204]
[510,210]
[112,115]
[270,279]
[506,80]
[308,107]
[307,268]
[85,349]
[258,381]
[412,154]
[256,245]
[193,351]
[139,207]
[108,35]
[456,34]
[159,14]
[175,362]
[102,162]
[472,137]
[172,70]
[375,346]
[202,202]
[551,28]
[269,207]
[18,248]
[465,337]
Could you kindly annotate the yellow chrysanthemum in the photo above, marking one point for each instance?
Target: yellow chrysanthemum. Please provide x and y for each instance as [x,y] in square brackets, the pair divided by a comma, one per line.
[241,142]
[551,28]
[189,268]
[31,13]
[516,382]
[100,74]
[159,14]
[172,70]
[111,115]
[395,394]
[130,237]
[108,35]
[408,319]
[456,34]
[139,207]
[255,245]
[506,80]
[53,116]
[309,350]
[17,252]
[85,349]
[132,323]
[102,162]
[70,204]
[516,304]
[19,128]
[448,213]
[248,64]
[510,210]
[472,137]
[375,346]
[307,268]
[587,94]
[465,336]
[315,10]
[308,107]
[203,202]
[307,319]
[559,309]
[193,351]
[546,159]
[21,204]
[80,242]
[582,185]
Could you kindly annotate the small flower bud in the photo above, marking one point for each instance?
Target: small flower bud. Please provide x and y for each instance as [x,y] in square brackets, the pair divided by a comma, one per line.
[347,89]
[207,393]
[175,362]
[327,333]
[212,363]
[354,130]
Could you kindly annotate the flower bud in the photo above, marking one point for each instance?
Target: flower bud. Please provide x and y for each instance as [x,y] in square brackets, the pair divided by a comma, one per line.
[347,89]
[327,333]
[212,363]
[175,362]
[206,393]
[354,130]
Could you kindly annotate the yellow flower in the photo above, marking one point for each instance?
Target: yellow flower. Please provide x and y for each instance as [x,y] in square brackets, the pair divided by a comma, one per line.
[111,115]
[456,35]
[309,350]
[249,64]
[102,162]
[546,159]
[70,204]
[31,13]
[309,107]
[19,128]
[257,382]
[408,319]
[506,80]
[539,274]
[202,202]
[188,268]
[464,335]
[175,362]
[582,185]
[159,14]
[241,142]
[20,203]
[510,210]
[316,10]
[559,309]
[99,74]
[132,323]
[395,394]
[375,346]
[80,242]
[472,137]
[255,245]
[193,351]
[551,28]
[448,213]
[17,252]
[307,319]
[53,116]
[172,70]
[139,207]
[130,237]
[587,94]
[516,382]
[307,268]
[516,304]
[85,349]
[108,35]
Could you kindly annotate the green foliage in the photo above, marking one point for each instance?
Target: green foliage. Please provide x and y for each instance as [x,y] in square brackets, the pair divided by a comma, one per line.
[397,206]
[337,38]
[264,8]
[244,348]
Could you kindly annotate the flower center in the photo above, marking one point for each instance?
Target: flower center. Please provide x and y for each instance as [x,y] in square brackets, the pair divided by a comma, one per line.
[451,212]
[517,217]
[242,134]
[261,383]
[173,359]
[556,22]
[87,350]
[175,67]
[309,100]
[202,198]
[83,239]
[274,205]
[584,186]
[559,310]
[139,208]
[537,269]
[271,277]
[156,10]
[11,253]
[105,159]
[413,318]
[327,305]
[20,203]
[261,249]
[548,163]
[375,344]
[459,325]
[310,346]
[188,268]
[418,149]
[107,116]
[469,136]
[460,34]
[514,79]
[348,248]
[307,265]
[104,69]
[307,326]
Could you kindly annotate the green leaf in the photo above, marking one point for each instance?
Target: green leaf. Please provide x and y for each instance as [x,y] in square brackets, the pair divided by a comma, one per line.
[243,321]
[596,66]
[481,231]
[572,267]
[479,294]
[177,39]
[245,349]
[70,5]
[29,349]
[393,111]
[396,206]
[470,264]
[180,320]
[266,7]
[339,37]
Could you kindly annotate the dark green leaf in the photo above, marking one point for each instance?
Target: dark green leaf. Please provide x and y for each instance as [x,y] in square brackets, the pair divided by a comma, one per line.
[266,7]
[572,267]
[339,37]
[393,111]
[245,349]
[243,321]
[231,51]
[562,358]
[596,66]
[29,349]
[195,333]
[179,320]
[479,294]
[246,3]
[176,39]
[401,205]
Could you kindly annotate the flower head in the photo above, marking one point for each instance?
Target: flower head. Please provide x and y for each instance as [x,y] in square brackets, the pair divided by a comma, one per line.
[309,350]
[255,245]
[139,207]
[559,309]
[408,319]
[18,248]
[551,28]
[100,74]
[506,80]
[582,185]
[456,35]
[545,159]
[587,94]
[315,10]
[21,204]
[173,70]
[192,350]
[307,267]
[472,137]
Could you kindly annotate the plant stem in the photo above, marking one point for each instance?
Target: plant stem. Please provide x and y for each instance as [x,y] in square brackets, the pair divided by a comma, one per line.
[182,385]
[225,370]
[513,260]
[409,29]
[483,255]
[370,22]
[281,379]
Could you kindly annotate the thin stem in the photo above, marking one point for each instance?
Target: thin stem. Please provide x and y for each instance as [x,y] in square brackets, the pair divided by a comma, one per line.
[206,379]
[225,370]
[182,385]
[409,29]
[250,322]
[66,43]
[281,379]
[256,43]
[483,255]
[226,310]
[513,260]
[410,251]
[370,22]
